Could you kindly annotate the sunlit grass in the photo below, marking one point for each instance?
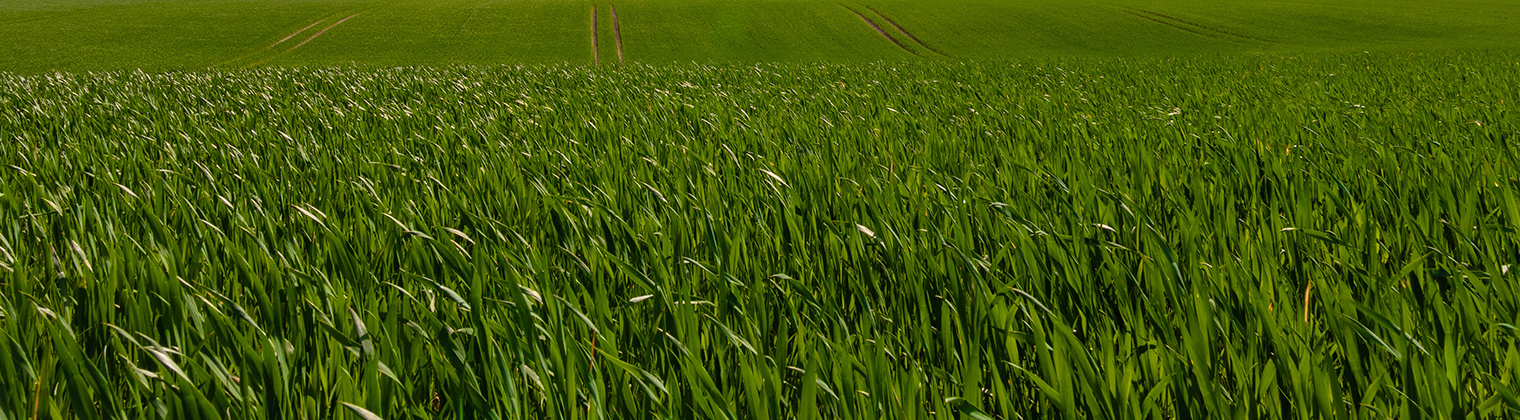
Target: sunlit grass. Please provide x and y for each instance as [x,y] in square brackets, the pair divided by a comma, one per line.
[1329,236]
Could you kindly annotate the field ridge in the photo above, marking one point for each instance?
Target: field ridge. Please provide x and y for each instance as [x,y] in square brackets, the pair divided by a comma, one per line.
[596,53]
[617,32]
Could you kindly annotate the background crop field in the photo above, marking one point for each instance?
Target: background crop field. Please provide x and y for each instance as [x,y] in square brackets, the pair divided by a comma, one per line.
[1248,237]
[46,35]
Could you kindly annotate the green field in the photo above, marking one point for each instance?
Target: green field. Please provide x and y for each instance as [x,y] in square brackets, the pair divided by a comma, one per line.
[1303,237]
[156,35]
[723,209]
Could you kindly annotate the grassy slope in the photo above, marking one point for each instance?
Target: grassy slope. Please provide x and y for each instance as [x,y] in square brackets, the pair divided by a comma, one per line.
[163,35]
[169,34]
[728,30]
[987,28]
[441,32]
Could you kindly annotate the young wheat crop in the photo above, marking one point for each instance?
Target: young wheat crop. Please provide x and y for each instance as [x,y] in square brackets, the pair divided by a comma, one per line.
[1273,237]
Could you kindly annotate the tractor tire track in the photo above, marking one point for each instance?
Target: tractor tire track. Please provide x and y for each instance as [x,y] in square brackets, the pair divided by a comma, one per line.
[596,55]
[323,31]
[617,33]
[1190,26]
[905,31]
[883,33]
[303,42]
[1208,28]
[293,34]
[1173,25]
[253,55]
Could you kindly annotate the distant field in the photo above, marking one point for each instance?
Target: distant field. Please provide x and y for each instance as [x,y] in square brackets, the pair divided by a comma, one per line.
[45,35]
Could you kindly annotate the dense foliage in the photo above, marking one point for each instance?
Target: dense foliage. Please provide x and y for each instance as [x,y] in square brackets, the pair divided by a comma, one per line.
[1269,237]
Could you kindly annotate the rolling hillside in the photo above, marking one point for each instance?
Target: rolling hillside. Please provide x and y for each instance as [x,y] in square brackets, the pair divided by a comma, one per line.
[155,35]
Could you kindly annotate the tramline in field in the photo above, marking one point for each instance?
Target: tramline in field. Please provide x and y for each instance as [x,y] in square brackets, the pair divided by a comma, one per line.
[48,35]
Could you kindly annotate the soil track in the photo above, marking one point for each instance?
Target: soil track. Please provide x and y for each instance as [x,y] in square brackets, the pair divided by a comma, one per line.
[253,57]
[293,34]
[323,31]
[1173,25]
[256,56]
[596,55]
[1191,27]
[617,33]
[905,32]
[1207,28]
[883,33]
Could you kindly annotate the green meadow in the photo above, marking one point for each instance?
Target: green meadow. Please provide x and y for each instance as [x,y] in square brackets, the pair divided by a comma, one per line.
[770,209]
[160,35]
